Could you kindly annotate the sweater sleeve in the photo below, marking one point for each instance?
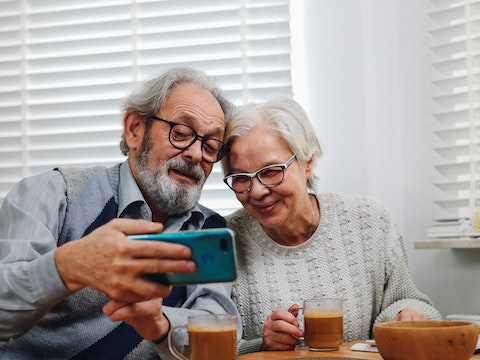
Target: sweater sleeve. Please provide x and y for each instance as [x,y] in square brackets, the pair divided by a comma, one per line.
[249,346]
[400,291]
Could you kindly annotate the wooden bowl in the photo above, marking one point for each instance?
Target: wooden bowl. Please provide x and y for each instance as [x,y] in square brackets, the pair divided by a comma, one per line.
[426,340]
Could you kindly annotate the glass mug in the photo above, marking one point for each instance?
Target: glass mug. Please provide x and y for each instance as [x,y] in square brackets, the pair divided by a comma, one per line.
[323,324]
[208,336]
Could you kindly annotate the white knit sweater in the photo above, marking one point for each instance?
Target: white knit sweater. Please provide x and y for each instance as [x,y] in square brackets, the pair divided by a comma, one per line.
[356,254]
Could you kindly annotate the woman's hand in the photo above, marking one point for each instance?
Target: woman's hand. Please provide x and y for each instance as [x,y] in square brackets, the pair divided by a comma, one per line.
[281,330]
[409,314]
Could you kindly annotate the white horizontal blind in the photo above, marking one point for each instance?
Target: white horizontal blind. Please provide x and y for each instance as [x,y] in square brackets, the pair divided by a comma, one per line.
[456,47]
[66,65]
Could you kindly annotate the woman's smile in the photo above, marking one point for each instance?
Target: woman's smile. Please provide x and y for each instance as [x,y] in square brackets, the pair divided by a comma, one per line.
[266,208]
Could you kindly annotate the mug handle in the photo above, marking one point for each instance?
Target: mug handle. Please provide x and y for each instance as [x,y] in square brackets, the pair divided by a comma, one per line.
[171,341]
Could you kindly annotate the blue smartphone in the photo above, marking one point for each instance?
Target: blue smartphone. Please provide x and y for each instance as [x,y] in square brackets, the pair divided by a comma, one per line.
[213,250]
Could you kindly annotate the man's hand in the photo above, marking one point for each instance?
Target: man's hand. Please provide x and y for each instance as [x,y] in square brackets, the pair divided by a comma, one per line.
[107,261]
[281,330]
[146,317]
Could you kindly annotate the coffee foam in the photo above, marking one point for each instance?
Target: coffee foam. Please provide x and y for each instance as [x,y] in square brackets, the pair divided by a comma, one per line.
[211,328]
[322,313]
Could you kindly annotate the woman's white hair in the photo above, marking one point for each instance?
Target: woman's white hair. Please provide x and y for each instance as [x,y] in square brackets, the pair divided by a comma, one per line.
[283,115]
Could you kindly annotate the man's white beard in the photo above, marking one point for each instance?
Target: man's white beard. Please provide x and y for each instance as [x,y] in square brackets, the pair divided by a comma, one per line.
[171,197]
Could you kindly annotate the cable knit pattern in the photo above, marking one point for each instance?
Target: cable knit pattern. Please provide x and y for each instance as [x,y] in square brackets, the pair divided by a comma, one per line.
[356,254]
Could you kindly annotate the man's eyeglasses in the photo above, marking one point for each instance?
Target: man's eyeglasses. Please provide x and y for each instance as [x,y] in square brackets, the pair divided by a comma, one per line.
[269,176]
[182,136]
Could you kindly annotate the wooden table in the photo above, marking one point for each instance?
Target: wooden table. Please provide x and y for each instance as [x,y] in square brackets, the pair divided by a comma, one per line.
[344,353]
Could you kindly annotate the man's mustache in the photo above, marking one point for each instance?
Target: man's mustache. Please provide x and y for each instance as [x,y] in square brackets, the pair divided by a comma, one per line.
[194,171]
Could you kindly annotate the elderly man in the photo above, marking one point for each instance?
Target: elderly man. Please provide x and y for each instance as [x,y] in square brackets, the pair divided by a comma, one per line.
[71,282]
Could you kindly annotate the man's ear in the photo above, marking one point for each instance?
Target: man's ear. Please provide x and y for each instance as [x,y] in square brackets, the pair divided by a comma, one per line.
[134,128]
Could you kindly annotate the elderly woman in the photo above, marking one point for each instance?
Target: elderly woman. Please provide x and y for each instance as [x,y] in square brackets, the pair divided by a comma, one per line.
[294,243]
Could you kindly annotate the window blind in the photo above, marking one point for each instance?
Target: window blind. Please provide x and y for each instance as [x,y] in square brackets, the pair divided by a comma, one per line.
[455,45]
[66,66]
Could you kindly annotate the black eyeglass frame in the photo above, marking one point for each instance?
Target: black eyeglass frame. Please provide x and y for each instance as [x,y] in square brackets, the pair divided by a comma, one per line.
[223,150]
[255,175]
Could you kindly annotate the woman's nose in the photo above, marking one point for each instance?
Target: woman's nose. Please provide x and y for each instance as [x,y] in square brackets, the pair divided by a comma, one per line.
[258,187]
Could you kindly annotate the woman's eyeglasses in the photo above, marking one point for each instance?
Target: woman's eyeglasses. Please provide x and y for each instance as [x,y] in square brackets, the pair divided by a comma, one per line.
[269,176]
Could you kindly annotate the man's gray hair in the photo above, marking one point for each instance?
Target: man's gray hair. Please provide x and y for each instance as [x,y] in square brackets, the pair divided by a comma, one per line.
[148,98]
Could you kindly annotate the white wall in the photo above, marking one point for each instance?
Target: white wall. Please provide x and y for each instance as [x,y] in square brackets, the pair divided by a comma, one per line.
[362,73]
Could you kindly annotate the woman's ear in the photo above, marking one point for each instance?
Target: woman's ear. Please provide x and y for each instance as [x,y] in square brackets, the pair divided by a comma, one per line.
[134,128]
[309,167]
